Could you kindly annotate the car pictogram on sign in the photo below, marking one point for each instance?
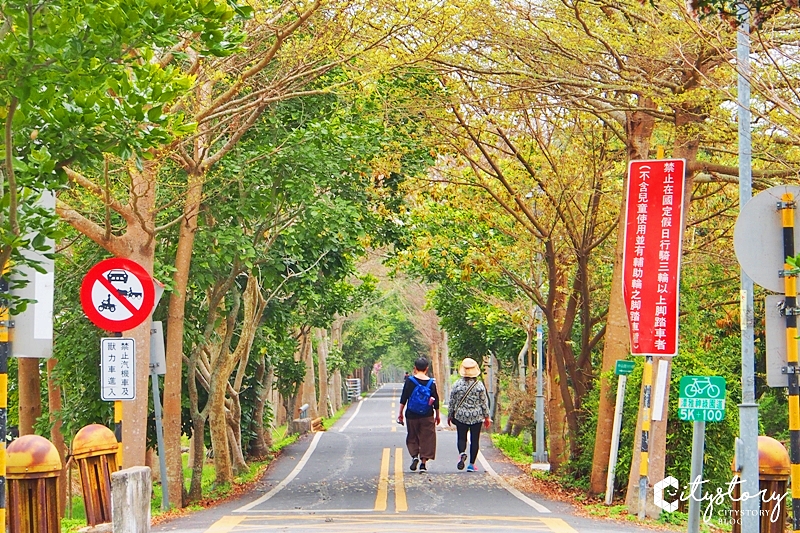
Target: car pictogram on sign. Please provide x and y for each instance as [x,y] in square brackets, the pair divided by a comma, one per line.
[117,275]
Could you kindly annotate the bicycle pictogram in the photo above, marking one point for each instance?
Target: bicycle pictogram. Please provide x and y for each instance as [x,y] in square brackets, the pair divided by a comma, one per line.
[702,385]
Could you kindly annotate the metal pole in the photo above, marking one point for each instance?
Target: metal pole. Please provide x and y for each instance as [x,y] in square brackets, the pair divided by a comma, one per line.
[612,456]
[644,462]
[748,409]
[162,459]
[540,455]
[787,208]
[698,448]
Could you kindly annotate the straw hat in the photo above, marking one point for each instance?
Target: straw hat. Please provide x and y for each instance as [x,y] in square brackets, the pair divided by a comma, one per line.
[469,368]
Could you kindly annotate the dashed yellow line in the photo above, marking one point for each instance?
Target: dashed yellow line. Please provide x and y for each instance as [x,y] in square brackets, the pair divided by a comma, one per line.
[557,525]
[400,503]
[383,482]
[225,524]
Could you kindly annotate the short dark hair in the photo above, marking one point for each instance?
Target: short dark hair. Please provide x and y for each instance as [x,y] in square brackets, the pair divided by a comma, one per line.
[421,364]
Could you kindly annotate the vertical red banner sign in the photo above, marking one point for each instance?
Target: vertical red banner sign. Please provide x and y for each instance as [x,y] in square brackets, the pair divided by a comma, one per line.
[652,255]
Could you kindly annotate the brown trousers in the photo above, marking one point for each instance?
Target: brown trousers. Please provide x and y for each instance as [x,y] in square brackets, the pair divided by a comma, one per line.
[421,438]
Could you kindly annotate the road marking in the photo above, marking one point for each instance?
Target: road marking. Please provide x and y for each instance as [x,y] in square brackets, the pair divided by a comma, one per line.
[289,478]
[557,525]
[486,466]
[360,403]
[400,503]
[225,524]
[383,483]
[320,520]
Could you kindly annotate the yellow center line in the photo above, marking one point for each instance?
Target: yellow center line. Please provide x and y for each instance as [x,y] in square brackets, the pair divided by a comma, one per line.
[557,525]
[225,524]
[400,503]
[383,482]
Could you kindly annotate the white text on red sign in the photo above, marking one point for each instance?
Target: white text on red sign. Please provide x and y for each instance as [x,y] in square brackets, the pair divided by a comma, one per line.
[651,262]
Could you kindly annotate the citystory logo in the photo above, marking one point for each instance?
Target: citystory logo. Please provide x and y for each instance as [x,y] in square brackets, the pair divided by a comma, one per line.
[694,491]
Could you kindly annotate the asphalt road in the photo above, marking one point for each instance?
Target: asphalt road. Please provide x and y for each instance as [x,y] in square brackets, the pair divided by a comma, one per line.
[355,478]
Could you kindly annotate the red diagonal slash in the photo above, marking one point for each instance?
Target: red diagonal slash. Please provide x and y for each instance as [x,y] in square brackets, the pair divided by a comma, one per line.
[113,290]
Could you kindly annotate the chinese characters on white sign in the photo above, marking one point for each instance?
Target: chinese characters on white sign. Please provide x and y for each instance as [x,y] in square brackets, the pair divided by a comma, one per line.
[117,368]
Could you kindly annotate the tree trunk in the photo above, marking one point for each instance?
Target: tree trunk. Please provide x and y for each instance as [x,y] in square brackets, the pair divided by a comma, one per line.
[259,447]
[174,342]
[308,390]
[336,342]
[445,390]
[235,436]
[639,129]
[30,394]
[322,356]
[218,426]
[56,437]
[556,417]
[198,454]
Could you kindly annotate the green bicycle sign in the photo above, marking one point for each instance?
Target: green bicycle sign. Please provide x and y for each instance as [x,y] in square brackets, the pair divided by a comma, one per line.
[702,398]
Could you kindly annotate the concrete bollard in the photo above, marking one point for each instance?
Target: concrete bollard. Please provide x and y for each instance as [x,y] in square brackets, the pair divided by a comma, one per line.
[130,500]
[300,426]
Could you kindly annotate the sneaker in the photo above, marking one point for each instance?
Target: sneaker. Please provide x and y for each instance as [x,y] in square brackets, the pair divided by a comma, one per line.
[463,460]
[471,468]
[414,463]
[423,468]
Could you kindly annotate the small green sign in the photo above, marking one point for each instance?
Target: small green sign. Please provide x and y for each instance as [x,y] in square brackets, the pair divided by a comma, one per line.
[702,398]
[623,368]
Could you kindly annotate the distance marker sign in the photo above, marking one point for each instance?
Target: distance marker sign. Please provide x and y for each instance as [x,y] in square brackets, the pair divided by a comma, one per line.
[117,294]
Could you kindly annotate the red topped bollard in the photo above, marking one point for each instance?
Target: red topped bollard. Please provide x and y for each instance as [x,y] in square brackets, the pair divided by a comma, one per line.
[32,469]
[774,468]
[95,450]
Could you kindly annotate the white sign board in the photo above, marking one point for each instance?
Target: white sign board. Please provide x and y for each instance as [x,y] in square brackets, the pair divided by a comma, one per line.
[158,356]
[758,237]
[33,328]
[117,368]
[775,331]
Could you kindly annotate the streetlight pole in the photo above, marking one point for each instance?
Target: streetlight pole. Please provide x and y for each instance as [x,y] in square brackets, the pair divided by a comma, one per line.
[747,452]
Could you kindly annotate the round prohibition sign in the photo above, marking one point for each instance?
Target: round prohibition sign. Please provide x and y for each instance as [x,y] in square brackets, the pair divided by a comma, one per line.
[117,294]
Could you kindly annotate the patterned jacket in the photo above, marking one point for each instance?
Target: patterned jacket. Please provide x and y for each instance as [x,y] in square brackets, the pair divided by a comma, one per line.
[475,406]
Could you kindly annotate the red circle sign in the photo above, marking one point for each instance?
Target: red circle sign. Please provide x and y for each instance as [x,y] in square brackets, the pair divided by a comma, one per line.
[117,294]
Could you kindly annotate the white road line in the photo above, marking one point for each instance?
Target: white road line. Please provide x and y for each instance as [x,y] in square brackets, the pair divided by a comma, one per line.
[360,403]
[288,479]
[486,466]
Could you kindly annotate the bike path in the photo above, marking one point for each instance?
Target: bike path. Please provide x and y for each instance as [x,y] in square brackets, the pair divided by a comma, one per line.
[355,477]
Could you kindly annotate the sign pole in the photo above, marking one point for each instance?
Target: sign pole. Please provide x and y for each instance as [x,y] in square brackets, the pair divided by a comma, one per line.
[787,208]
[540,456]
[162,461]
[613,454]
[158,366]
[647,384]
[698,449]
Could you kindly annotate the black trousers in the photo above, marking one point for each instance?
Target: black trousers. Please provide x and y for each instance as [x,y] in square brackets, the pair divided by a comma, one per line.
[474,438]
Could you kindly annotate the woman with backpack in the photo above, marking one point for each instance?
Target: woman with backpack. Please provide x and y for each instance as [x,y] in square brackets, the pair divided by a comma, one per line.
[469,408]
[420,400]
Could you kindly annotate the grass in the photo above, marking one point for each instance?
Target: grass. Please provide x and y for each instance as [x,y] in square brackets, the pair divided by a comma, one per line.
[280,438]
[515,448]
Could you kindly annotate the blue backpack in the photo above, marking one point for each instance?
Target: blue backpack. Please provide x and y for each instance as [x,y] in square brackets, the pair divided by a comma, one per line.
[419,402]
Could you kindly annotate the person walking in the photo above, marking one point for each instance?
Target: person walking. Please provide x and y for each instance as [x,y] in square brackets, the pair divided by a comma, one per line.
[420,401]
[469,408]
